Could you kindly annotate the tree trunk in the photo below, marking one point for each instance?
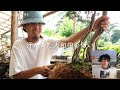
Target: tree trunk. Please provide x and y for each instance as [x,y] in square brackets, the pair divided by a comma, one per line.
[94,38]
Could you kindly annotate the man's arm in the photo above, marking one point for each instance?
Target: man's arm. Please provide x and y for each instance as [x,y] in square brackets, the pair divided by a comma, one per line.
[45,71]
[77,36]
[25,74]
[16,69]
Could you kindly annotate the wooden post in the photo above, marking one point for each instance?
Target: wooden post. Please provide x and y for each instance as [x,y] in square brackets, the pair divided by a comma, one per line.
[74,28]
[14,26]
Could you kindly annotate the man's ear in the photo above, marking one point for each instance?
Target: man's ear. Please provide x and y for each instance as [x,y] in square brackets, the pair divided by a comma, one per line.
[24,28]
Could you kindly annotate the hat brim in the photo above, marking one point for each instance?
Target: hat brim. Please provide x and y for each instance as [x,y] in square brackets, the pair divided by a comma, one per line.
[33,20]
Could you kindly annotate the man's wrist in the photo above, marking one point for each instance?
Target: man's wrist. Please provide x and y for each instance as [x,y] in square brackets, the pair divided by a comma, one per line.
[37,70]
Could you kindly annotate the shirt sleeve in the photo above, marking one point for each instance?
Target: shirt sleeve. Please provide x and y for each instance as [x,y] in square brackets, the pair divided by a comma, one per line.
[16,64]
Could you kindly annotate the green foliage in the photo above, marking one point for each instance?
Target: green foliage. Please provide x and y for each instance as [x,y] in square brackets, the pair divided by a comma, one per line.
[4,45]
[66,27]
[111,47]
[118,42]
[49,32]
[81,65]
[81,54]
[107,44]
[100,43]
[80,26]
[115,47]
[71,14]
[115,36]
[79,15]
[105,37]
[57,35]
[68,51]
[4,40]
[110,33]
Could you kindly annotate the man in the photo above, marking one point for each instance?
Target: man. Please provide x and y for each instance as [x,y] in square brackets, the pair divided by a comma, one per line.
[30,56]
[104,71]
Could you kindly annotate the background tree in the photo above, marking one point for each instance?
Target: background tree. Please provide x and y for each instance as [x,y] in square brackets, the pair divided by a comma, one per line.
[66,27]
[115,36]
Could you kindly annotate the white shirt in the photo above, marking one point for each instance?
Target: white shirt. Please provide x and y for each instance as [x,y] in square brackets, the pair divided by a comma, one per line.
[96,69]
[26,56]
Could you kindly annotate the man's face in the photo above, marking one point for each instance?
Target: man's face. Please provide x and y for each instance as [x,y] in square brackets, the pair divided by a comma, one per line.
[104,64]
[33,29]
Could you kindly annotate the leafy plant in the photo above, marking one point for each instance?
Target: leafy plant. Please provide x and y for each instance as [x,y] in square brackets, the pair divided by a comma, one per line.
[81,65]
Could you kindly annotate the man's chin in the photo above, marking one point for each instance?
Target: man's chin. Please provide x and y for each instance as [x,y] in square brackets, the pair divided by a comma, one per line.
[36,38]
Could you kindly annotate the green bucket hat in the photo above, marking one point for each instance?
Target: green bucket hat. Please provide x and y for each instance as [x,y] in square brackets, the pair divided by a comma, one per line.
[32,17]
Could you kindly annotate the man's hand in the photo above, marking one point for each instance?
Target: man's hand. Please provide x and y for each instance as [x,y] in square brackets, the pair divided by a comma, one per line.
[45,71]
[104,24]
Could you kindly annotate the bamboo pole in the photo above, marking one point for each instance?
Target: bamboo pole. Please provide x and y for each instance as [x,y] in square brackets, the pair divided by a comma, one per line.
[49,13]
[6,32]
[14,26]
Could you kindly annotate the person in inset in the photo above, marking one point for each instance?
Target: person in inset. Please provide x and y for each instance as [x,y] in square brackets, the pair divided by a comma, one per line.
[31,56]
[104,71]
